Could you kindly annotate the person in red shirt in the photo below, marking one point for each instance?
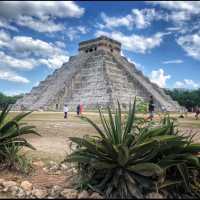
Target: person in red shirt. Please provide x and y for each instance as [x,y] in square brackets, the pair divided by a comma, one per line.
[81,108]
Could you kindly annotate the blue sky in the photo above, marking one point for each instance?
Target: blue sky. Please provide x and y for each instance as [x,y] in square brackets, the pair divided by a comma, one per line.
[161,38]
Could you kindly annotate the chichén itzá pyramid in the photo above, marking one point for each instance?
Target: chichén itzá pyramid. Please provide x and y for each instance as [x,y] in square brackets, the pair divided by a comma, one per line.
[97,75]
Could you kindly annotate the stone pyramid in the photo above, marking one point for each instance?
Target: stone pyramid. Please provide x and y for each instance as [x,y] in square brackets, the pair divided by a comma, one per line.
[97,75]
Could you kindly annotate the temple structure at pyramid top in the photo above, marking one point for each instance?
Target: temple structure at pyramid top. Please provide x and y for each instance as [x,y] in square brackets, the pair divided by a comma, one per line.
[101,43]
[97,75]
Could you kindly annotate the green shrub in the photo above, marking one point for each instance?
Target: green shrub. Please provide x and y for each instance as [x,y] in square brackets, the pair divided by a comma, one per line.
[141,106]
[11,140]
[128,159]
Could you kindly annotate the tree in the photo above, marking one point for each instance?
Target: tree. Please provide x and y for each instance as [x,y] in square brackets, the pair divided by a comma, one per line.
[187,98]
[4,99]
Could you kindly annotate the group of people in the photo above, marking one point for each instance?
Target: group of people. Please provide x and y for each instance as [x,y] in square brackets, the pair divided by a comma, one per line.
[79,110]
[152,106]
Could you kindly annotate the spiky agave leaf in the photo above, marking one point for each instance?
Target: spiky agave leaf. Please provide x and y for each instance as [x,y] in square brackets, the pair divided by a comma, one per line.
[4,114]
[94,125]
[10,134]
[130,120]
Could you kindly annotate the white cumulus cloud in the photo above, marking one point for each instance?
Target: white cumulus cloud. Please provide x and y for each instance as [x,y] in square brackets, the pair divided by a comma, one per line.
[184,15]
[135,43]
[29,52]
[38,15]
[159,77]
[180,12]
[177,61]
[55,61]
[191,44]
[189,6]
[74,32]
[12,76]
[4,38]
[110,22]
[40,25]
[143,18]
[5,24]
[25,44]
[139,18]
[41,9]
[12,62]
[60,44]
[186,83]
[13,93]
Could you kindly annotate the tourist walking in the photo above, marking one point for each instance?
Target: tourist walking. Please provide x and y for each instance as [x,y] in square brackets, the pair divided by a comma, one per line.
[65,111]
[78,109]
[151,108]
[197,113]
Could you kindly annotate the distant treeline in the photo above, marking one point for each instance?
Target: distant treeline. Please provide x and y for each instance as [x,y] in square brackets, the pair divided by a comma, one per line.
[4,100]
[187,98]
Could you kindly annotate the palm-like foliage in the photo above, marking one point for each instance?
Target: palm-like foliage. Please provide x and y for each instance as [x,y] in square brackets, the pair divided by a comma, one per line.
[128,160]
[11,132]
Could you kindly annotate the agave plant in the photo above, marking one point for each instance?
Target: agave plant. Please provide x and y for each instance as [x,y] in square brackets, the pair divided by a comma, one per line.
[11,132]
[118,167]
[127,160]
[177,154]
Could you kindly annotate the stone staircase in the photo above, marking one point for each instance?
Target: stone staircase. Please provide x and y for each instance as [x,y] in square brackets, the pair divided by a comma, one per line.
[92,90]
[153,89]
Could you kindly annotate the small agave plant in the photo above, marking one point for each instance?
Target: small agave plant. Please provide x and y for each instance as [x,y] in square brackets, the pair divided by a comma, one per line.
[128,161]
[11,140]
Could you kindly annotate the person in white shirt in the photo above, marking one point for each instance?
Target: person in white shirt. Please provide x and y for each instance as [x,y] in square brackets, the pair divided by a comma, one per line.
[65,111]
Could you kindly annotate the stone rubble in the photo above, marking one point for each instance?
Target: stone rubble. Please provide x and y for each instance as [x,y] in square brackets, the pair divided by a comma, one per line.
[21,193]
[38,164]
[69,193]
[1,181]
[39,193]
[14,190]
[83,195]
[55,191]
[96,195]
[26,185]
[154,195]
[25,189]
[8,185]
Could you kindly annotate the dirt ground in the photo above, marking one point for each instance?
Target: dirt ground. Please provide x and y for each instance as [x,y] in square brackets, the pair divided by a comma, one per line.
[55,130]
